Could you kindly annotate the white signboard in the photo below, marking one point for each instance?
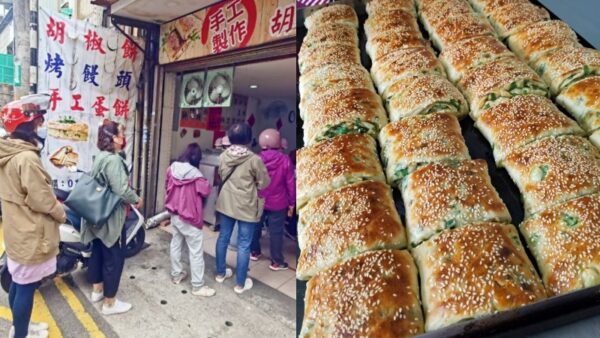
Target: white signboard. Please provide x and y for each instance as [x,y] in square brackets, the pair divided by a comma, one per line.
[92,74]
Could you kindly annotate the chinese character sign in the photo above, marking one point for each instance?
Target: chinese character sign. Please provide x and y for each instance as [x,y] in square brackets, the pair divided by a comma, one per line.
[91,74]
[228,25]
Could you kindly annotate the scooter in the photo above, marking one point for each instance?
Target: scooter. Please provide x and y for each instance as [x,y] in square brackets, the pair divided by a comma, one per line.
[74,255]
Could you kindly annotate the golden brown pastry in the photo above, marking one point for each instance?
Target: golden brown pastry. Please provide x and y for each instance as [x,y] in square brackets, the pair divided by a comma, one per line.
[353,111]
[373,295]
[554,170]
[491,83]
[335,163]
[333,78]
[444,196]
[334,34]
[537,39]
[563,67]
[469,53]
[565,241]
[385,6]
[346,222]
[488,6]
[384,22]
[447,30]
[417,140]
[582,100]
[328,54]
[381,45]
[508,19]
[473,271]
[341,14]
[404,63]
[522,120]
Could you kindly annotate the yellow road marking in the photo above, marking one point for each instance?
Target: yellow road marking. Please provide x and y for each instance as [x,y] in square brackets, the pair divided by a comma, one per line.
[84,318]
[41,313]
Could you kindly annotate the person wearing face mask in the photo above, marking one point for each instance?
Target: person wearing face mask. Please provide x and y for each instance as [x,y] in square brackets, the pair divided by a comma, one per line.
[108,240]
[31,213]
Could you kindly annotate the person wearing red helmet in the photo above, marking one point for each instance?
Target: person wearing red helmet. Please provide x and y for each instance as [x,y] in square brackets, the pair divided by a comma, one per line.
[31,213]
[280,197]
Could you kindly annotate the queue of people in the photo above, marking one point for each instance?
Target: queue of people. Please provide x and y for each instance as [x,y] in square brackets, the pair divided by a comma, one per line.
[255,189]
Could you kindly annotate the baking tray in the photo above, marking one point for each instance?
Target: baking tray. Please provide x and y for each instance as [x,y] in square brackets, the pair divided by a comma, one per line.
[529,319]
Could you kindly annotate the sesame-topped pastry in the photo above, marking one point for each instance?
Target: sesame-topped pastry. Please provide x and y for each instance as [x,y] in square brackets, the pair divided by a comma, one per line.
[508,19]
[537,39]
[565,241]
[404,63]
[488,6]
[582,100]
[443,196]
[424,94]
[333,78]
[381,45]
[328,54]
[554,170]
[562,67]
[417,140]
[383,6]
[353,111]
[343,223]
[341,14]
[466,54]
[333,34]
[522,120]
[447,30]
[372,295]
[491,83]
[431,11]
[384,22]
[473,271]
[335,163]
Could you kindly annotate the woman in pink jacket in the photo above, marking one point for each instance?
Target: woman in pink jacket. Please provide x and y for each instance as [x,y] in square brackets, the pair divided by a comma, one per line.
[280,198]
[185,189]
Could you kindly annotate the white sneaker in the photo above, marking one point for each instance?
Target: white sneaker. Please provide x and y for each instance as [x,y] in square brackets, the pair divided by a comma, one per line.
[117,308]
[96,296]
[204,291]
[34,328]
[247,286]
[228,274]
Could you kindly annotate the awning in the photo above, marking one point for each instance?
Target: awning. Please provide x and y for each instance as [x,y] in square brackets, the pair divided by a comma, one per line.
[151,10]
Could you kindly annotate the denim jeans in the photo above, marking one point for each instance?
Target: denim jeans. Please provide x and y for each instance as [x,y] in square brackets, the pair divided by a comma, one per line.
[192,236]
[20,299]
[275,223]
[243,254]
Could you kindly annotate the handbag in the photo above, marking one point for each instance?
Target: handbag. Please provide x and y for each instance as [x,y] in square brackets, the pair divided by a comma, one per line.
[93,200]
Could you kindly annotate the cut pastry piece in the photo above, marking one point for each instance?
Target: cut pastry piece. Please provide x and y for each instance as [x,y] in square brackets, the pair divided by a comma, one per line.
[354,111]
[450,29]
[346,222]
[508,19]
[522,120]
[335,33]
[404,63]
[466,54]
[487,85]
[565,241]
[443,196]
[473,271]
[554,170]
[582,100]
[562,67]
[328,54]
[333,78]
[335,163]
[341,14]
[432,11]
[392,20]
[418,140]
[384,6]
[424,94]
[381,45]
[537,39]
[373,295]
[488,6]
[595,138]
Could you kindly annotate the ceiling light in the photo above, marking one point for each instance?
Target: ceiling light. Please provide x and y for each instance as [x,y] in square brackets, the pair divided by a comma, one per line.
[253,86]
